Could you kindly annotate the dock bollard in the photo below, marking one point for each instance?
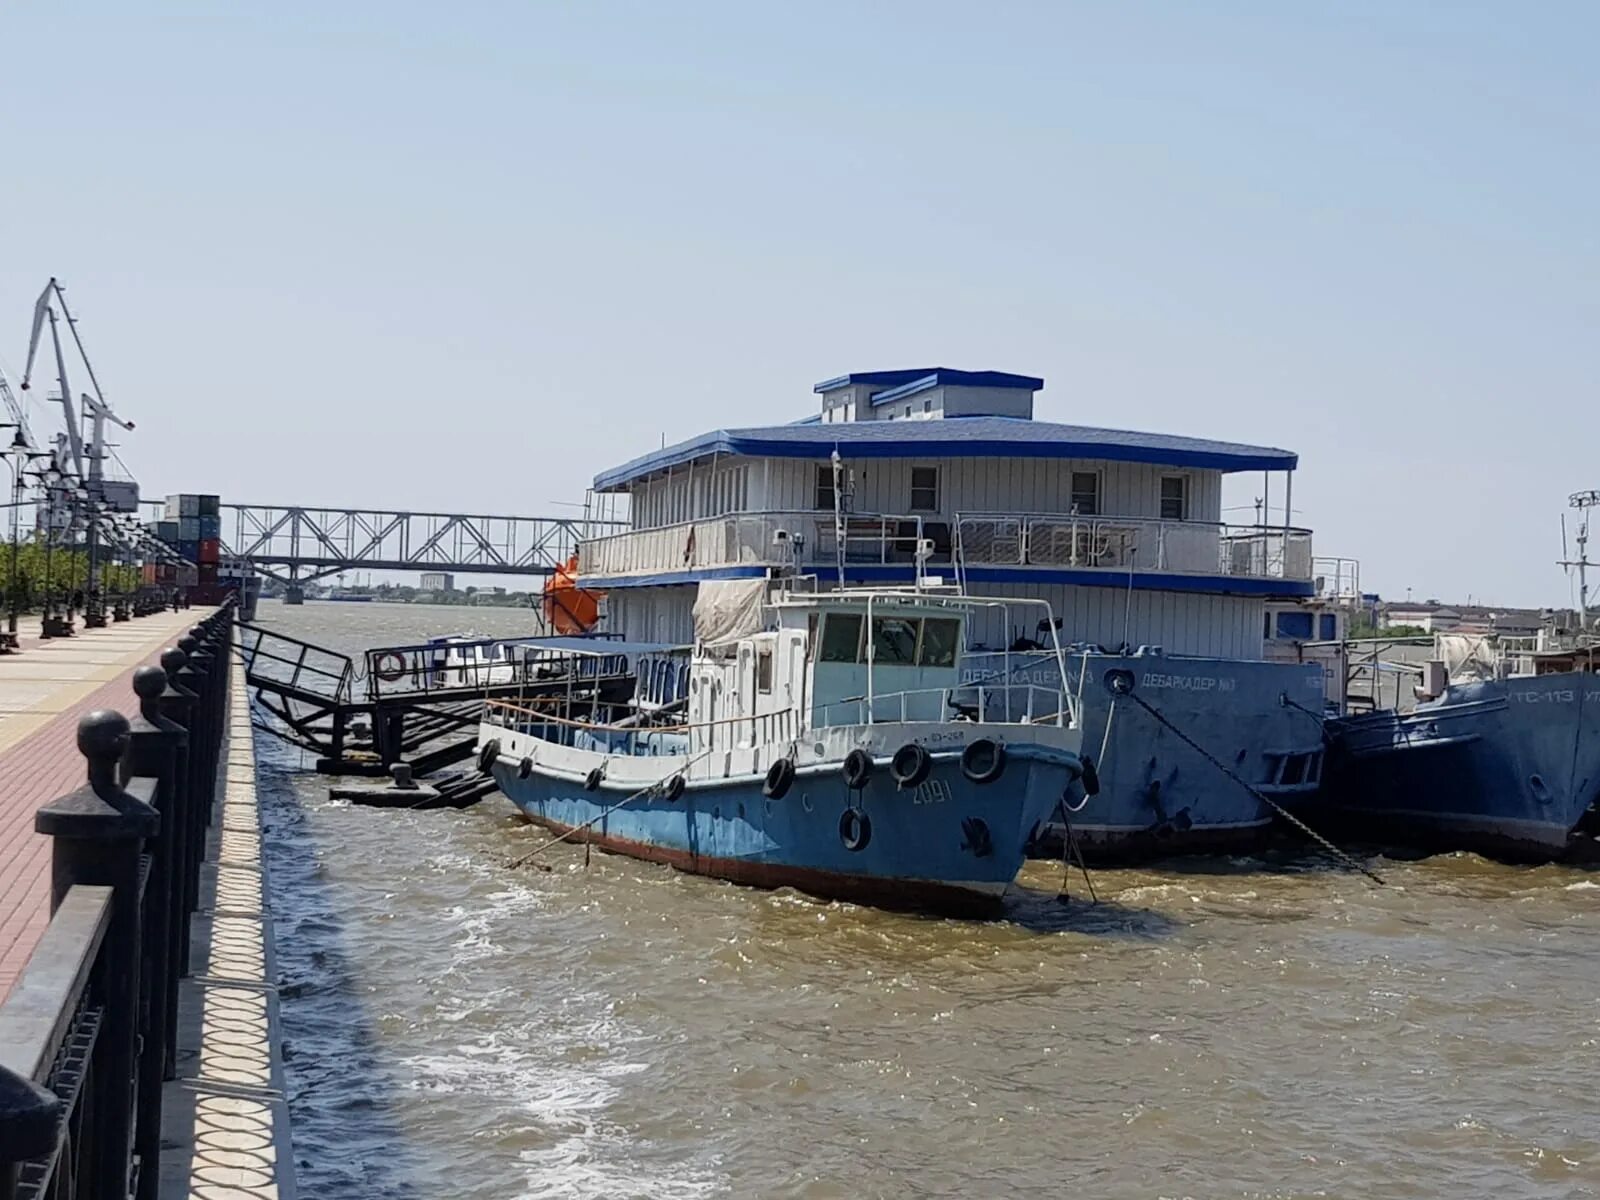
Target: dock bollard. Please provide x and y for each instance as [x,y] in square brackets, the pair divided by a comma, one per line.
[99,833]
[177,705]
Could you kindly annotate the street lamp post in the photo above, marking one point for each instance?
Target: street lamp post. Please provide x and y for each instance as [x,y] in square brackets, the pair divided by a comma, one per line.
[19,453]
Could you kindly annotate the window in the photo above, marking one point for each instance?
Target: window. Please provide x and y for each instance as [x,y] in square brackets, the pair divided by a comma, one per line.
[824,497]
[1086,493]
[1174,498]
[924,489]
[927,406]
[1294,625]
[940,639]
[894,642]
[908,410]
[841,638]
[1328,627]
[764,669]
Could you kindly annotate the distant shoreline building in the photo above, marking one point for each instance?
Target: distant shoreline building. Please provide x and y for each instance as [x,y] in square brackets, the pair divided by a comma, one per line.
[438,581]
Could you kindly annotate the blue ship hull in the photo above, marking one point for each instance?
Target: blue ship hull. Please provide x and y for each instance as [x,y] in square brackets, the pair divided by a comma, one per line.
[1508,768]
[948,845]
[1158,797]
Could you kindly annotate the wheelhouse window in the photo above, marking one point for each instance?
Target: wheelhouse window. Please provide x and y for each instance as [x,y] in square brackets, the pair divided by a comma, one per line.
[894,642]
[824,494]
[1174,497]
[1086,493]
[941,637]
[841,638]
[924,489]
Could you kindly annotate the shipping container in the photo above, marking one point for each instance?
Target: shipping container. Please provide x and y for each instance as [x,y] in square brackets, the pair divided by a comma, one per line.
[209,506]
[189,529]
[169,532]
[210,527]
[184,505]
[210,551]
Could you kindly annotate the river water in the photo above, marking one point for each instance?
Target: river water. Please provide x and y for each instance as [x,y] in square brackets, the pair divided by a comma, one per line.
[1243,1028]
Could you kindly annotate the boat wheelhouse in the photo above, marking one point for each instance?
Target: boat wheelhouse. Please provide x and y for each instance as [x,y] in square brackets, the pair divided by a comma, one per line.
[937,477]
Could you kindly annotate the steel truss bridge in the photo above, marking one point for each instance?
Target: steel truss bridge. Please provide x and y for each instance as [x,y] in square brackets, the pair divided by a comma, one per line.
[296,544]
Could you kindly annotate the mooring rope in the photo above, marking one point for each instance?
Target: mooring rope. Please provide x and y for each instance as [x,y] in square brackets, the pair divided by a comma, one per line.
[642,792]
[1338,854]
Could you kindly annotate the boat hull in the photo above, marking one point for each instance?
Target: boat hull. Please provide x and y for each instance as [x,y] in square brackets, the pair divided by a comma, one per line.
[1507,768]
[948,845]
[1158,796]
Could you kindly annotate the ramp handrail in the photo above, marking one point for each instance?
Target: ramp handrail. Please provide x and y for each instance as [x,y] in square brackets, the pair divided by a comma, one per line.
[311,669]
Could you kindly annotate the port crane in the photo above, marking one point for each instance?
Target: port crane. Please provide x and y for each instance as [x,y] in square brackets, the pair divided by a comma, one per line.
[1583,502]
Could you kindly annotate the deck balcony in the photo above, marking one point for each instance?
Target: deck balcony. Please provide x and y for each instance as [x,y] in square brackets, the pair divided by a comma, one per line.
[1067,547]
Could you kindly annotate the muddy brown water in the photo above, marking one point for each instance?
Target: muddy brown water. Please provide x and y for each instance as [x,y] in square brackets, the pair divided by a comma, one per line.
[1265,1027]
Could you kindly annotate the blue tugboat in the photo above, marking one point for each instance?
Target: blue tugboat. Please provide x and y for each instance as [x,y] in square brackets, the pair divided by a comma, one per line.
[931,472]
[816,741]
[1508,766]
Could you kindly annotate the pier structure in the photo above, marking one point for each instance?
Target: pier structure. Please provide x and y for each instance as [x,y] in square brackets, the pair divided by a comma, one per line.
[298,544]
[138,1050]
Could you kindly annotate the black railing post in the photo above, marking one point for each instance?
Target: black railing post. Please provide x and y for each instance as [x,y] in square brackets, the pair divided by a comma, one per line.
[99,833]
[177,706]
[152,754]
[200,784]
[204,661]
[28,1118]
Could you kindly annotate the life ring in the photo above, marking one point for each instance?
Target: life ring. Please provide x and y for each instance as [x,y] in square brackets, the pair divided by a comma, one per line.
[592,780]
[390,674]
[983,761]
[780,777]
[525,768]
[857,769]
[910,765]
[674,789]
[489,755]
[855,829]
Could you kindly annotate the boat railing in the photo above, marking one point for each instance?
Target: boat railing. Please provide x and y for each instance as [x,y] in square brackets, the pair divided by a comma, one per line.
[294,667]
[619,736]
[789,538]
[998,701]
[1133,544]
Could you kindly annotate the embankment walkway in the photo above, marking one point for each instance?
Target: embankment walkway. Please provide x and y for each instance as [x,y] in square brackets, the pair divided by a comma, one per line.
[43,691]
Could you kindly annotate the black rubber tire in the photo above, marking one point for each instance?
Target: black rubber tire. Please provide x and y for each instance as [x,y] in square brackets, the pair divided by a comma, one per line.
[855,829]
[910,765]
[983,761]
[1091,777]
[674,789]
[592,780]
[857,769]
[525,768]
[489,755]
[780,778]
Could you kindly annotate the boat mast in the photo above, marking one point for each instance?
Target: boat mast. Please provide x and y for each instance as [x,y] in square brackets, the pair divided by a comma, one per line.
[1583,502]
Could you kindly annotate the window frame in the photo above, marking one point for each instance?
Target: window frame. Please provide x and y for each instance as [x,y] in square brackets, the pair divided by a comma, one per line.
[764,670]
[913,489]
[1183,481]
[824,483]
[1072,492]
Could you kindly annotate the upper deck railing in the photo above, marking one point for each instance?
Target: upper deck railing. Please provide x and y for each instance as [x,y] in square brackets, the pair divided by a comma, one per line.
[1045,540]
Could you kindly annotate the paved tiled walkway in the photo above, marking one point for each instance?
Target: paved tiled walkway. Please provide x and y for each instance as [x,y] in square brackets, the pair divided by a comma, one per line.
[43,692]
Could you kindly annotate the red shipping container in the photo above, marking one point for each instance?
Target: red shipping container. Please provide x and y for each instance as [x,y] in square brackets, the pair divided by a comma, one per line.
[210,550]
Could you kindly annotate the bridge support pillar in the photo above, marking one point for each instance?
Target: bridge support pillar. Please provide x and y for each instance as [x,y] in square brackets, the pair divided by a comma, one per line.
[294,594]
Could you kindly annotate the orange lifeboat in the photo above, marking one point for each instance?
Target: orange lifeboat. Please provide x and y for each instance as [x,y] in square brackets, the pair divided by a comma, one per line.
[570,610]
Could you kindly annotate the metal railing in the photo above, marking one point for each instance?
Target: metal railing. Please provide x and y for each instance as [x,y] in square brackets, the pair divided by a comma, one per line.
[1133,543]
[1000,701]
[89,1032]
[811,540]
[785,538]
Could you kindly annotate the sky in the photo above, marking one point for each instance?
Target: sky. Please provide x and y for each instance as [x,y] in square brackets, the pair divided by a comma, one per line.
[464,256]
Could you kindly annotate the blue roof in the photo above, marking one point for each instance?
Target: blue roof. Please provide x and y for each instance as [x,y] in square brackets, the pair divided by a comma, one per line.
[954,437]
[918,378]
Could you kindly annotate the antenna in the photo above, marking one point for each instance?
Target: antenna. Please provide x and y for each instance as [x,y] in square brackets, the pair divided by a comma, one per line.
[1583,502]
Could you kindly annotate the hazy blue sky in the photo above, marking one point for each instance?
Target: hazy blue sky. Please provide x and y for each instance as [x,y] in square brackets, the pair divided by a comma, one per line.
[466,254]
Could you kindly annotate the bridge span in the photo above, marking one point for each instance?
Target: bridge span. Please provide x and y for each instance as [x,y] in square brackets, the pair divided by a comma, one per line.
[296,544]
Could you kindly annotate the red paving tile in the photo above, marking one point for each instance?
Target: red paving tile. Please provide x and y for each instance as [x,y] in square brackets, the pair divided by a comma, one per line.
[36,770]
